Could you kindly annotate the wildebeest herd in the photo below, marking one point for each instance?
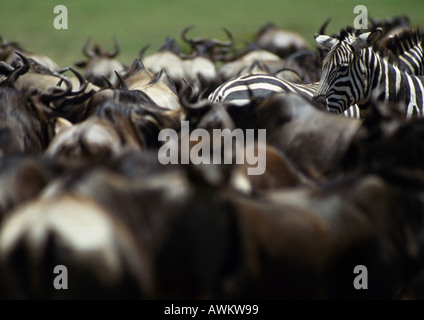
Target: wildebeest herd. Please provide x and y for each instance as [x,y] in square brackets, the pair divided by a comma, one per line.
[81,185]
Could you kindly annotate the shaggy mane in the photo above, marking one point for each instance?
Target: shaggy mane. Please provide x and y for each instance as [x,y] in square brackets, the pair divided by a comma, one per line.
[391,48]
[404,41]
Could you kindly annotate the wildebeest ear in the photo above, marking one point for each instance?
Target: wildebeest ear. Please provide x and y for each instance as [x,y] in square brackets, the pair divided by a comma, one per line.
[61,124]
[325,42]
[81,64]
[366,40]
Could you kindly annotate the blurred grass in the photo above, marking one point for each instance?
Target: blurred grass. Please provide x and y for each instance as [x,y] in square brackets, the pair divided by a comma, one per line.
[138,23]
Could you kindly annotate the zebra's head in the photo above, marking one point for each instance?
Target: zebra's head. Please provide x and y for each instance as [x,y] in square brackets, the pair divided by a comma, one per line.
[344,79]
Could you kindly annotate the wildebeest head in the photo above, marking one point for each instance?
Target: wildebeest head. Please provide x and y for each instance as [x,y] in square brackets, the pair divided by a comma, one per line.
[8,55]
[281,42]
[101,65]
[168,59]
[212,49]
[159,87]
[25,124]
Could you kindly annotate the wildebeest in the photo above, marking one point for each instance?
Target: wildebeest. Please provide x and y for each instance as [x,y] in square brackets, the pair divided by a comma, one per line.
[314,140]
[101,65]
[8,55]
[83,188]
[168,59]
[159,87]
[281,42]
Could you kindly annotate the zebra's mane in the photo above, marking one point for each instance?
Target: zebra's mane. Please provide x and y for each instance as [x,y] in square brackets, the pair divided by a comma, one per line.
[347,32]
[390,49]
[403,42]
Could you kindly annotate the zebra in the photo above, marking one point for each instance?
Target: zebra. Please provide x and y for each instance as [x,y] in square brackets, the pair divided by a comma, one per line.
[406,49]
[353,72]
[241,89]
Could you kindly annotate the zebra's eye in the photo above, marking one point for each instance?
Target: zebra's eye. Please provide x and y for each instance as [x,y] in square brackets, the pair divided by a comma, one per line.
[343,68]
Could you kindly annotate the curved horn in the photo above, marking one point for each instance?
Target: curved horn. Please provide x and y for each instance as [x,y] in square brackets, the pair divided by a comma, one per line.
[193,55]
[19,70]
[324,26]
[5,68]
[108,83]
[121,81]
[227,43]
[83,82]
[192,42]
[49,97]
[117,49]
[62,71]
[143,51]
[85,50]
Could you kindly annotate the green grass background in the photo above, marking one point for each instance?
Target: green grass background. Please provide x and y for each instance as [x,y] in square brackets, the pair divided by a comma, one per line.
[138,23]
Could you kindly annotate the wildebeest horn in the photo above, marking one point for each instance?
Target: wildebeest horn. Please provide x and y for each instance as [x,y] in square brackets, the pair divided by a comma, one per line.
[108,83]
[198,41]
[58,94]
[83,82]
[19,70]
[62,71]
[192,42]
[121,81]
[324,26]
[85,50]
[193,55]
[227,43]
[5,68]
[143,51]
[117,49]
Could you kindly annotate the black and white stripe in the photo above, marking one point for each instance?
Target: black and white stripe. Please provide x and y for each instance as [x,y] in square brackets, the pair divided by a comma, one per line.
[408,47]
[242,89]
[405,49]
[353,72]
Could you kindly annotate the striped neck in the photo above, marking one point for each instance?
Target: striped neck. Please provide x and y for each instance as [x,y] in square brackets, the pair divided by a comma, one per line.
[389,84]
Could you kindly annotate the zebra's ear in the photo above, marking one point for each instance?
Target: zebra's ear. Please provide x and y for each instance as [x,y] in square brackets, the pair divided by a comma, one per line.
[366,40]
[325,42]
